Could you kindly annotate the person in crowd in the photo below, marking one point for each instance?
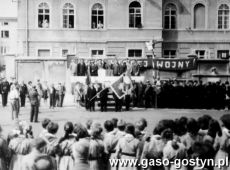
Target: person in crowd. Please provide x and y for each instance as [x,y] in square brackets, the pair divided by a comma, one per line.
[96,148]
[104,98]
[127,91]
[93,69]
[5,154]
[30,86]
[91,97]
[81,68]
[77,94]
[52,96]
[23,92]
[45,92]
[34,102]
[14,101]
[29,161]
[73,68]
[19,146]
[45,123]
[80,149]
[128,147]
[135,68]
[66,161]
[5,88]
[124,67]
[40,92]
[110,141]
[148,95]
[116,69]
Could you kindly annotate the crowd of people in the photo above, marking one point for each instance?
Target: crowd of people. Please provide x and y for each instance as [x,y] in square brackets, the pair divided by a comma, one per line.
[160,94]
[17,93]
[92,145]
[111,67]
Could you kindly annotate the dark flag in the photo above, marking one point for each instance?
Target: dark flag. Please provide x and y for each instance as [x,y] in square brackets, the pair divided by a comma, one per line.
[117,87]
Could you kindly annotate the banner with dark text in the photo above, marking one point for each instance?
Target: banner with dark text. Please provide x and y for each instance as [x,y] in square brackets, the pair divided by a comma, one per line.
[175,64]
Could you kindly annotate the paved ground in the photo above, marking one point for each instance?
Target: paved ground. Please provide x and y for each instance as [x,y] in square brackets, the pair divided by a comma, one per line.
[74,114]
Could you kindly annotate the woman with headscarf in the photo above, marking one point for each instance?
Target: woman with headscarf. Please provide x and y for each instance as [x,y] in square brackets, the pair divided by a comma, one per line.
[80,149]
[65,145]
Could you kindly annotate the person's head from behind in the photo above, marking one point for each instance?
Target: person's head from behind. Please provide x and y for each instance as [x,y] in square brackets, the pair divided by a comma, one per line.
[68,127]
[80,131]
[52,128]
[192,126]
[121,125]
[130,129]
[96,130]
[114,120]
[108,125]
[44,162]
[141,124]
[45,123]
[89,124]
[38,144]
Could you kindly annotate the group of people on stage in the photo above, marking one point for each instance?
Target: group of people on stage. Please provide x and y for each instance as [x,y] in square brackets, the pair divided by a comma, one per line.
[112,68]
[16,93]
[159,94]
[91,146]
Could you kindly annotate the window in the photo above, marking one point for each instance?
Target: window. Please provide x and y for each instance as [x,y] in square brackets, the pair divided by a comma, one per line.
[199,16]
[135,15]
[223,54]
[65,52]
[223,17]
[43,15]
[169,54]
[97,53]
[5,34]
[134,53]
[68,16]
[97,17]
[170,17]
[43,52]
[5,23]
[3,50]
[200,53]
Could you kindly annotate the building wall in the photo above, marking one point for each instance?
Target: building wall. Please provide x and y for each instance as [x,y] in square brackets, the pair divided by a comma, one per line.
[8,45]
[186,38]
[116,38]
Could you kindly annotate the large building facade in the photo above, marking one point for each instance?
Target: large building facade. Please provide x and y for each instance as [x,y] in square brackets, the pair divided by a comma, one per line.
[53,29]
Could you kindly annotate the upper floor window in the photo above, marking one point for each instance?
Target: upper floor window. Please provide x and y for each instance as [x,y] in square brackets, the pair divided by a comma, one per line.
[223,54]
[97,17]
[97,53]
[223,17]
[199,16]
[134,53]
[68,16]
[4,34]
[135,15]
[200,53]
[169,54]
[43,15]
[170,17]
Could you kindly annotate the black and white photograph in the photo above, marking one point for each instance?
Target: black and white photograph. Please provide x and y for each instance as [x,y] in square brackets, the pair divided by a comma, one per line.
[114,84]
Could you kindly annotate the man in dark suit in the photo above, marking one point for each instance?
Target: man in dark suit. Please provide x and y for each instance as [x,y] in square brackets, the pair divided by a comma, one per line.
[81,68]
[148,95]
[91,92]
[23,92]
[52,93]
[5,88]
[33,96]
[103,98]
